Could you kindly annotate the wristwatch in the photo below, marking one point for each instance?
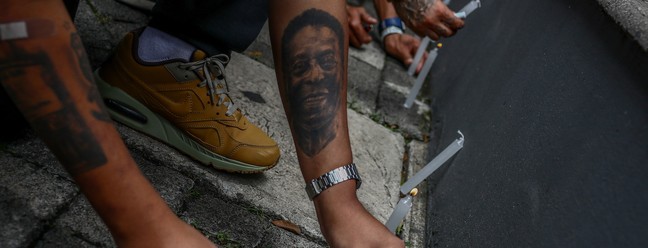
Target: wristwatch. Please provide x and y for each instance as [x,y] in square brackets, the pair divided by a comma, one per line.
[390,26]
[338,175]
[391,22]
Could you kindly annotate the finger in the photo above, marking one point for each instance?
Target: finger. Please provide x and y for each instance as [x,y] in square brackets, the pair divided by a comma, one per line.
[366,18]
[414,47]
[406,57]
[408,44]
[415,43]
[432,35]
[360,33]
[419,67]
[443,30]
[353,41]
[453,22]
[445,15]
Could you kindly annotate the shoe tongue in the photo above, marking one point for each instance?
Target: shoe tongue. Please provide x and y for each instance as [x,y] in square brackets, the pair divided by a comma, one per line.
[198,55]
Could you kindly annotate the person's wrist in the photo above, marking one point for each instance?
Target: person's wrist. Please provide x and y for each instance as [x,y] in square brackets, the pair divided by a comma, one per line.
[390,41]
[336,205]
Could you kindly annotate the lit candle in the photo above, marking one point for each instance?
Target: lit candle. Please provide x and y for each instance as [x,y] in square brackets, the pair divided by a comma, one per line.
[400,211]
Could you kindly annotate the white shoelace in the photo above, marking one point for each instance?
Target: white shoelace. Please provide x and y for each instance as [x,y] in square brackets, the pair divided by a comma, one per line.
[218,87]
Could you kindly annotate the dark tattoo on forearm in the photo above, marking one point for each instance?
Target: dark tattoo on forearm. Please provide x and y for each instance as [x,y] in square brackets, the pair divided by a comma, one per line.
[313,70]
[86,71]
[32,81]
[413,10]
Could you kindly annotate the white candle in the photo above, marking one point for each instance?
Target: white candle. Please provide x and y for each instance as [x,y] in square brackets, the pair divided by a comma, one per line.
[419,54]
[433,165]
[421,78]
[400,211]
[470,7]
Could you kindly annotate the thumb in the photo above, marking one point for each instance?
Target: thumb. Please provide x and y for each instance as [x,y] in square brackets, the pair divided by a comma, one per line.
[407,59]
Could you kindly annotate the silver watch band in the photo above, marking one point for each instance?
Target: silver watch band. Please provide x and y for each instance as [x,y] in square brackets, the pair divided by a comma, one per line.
[337,175]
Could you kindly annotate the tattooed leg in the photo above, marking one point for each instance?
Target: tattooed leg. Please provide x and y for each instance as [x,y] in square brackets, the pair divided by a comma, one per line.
[309,41]
[44,69]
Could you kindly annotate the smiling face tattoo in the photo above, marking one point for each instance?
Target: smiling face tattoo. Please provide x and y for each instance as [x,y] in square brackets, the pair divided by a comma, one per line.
[313,48]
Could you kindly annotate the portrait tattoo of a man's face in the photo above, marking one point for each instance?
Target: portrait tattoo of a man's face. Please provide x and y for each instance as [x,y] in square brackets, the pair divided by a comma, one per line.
[312,66]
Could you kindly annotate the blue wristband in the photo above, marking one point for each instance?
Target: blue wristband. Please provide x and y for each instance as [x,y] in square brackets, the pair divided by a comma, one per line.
[391,22]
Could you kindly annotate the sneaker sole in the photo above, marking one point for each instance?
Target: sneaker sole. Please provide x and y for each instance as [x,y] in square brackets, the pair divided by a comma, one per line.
[130,112]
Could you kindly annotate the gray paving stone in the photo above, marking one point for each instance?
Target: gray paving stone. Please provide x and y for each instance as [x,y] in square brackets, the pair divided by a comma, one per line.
[29,196]
[413,122]
[101,25]
[277,237]
[225,223]
[45,193]
[13,169]
[371,53]
[19,225]
[96,38]
[81,221]
[171,185]
[261,49]
[32,149]
[394,72]
[363,86]
[62,238]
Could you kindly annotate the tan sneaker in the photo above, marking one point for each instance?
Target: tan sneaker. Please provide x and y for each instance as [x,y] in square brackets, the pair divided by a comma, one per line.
[184,104]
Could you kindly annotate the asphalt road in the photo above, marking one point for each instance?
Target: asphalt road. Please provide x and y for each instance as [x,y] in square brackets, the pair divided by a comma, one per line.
[553,99]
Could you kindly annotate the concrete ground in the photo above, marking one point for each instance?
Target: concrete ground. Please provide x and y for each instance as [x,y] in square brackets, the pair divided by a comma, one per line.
[553,99]
[41,206]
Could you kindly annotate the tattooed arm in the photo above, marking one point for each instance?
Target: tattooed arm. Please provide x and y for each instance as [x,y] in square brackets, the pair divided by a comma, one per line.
[401,46]
[48,77]
[309,41]
[428,17]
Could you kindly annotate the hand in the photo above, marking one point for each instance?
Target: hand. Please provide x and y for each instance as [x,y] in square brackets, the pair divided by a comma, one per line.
[346,223]
[403,47]
[358,18]
[430,18]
